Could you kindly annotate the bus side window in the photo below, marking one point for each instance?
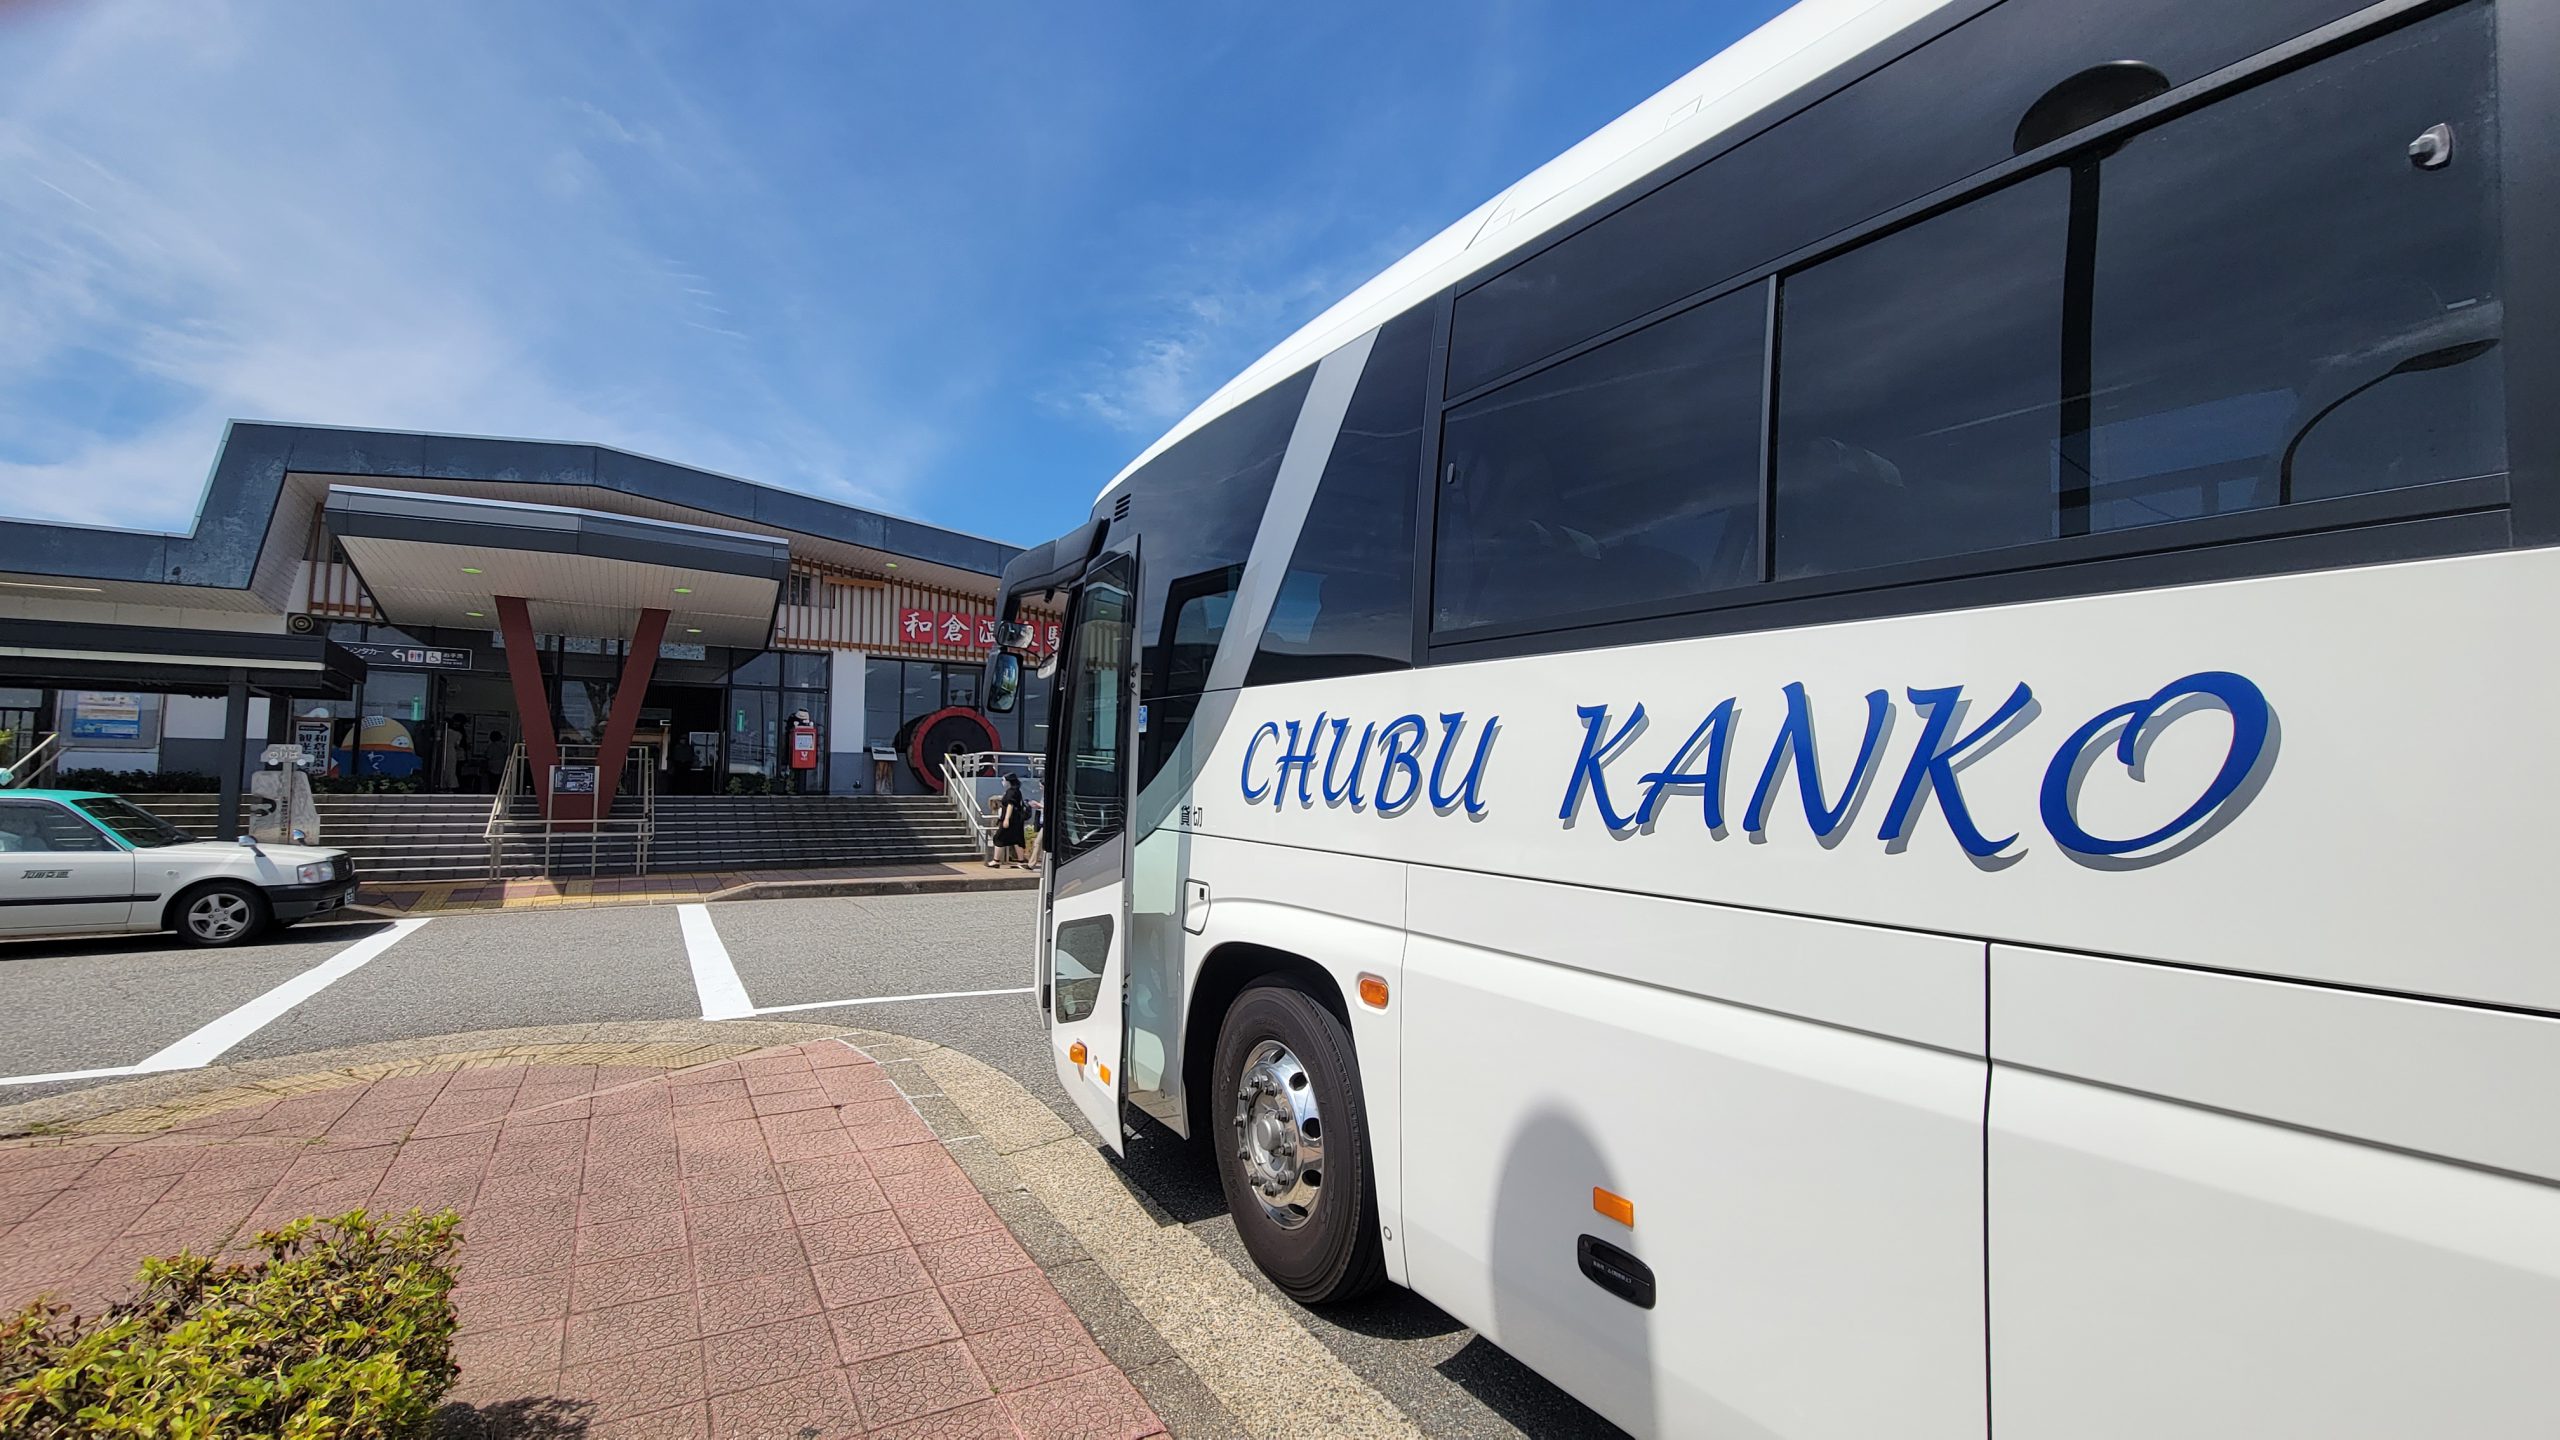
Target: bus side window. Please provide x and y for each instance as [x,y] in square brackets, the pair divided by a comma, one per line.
[2274,305]
[2275,273]
[1345,605]
[1200,504]
[1626,475]
[1918,380]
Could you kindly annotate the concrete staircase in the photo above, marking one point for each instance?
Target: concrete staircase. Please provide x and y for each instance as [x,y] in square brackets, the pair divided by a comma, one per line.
[399,838]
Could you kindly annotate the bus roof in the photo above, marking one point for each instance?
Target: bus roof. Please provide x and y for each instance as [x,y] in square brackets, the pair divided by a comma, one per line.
[1801,45]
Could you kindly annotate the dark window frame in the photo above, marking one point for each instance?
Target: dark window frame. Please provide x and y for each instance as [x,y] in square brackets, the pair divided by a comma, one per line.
[2520,506]
[1062,843]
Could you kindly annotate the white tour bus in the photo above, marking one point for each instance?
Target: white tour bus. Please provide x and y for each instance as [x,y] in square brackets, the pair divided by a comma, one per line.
[1873,759]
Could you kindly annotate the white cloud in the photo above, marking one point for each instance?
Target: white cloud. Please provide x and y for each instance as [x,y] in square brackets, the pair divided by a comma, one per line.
[1237,282]
[369,218]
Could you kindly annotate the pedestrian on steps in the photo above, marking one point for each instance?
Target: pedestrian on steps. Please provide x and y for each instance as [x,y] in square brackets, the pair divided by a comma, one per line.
[1009,818]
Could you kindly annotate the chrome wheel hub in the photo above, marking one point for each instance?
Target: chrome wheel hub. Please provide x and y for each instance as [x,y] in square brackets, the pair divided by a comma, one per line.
[1279,1138]
[218,917]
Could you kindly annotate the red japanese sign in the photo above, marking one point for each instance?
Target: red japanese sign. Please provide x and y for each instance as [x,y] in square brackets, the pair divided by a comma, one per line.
[966,630]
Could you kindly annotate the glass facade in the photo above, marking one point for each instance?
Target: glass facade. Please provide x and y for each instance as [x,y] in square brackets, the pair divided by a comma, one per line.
[715,719]
[898,692]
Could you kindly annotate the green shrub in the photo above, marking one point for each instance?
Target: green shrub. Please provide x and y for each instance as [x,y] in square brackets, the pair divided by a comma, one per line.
[343,1332]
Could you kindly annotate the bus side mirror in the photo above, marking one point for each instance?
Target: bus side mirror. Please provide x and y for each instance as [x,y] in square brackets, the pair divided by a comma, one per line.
[1004,681]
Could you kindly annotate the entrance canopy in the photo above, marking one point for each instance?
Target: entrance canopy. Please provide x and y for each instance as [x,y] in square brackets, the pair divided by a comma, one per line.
[445,560]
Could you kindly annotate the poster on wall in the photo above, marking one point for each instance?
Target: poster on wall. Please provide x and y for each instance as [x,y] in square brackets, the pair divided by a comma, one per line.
[105,715]
[377,745]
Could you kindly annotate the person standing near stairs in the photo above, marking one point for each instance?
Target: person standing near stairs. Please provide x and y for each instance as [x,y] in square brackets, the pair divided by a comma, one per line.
[1009,820]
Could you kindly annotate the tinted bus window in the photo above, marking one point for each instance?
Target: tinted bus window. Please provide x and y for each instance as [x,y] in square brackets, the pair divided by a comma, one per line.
[1087,808]
[1945,111]
[1345,606]
[1624,475]
[1919,383]
[2273,303]
[1198,505]
[2275,273]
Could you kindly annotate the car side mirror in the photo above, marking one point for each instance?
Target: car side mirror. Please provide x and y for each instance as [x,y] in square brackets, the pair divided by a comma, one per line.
[252,842]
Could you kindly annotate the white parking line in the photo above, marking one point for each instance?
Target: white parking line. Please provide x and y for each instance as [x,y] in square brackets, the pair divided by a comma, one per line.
[209,1042]
[890,999]
[715,979]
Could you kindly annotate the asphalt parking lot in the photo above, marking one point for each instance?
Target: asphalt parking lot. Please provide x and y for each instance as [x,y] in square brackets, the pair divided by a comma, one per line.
[952,969]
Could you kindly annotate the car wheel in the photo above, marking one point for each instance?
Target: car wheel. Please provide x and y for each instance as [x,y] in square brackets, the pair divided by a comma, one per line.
[223,913]
[1294,1145]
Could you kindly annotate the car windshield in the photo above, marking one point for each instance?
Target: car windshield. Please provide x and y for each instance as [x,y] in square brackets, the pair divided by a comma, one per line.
[134,825]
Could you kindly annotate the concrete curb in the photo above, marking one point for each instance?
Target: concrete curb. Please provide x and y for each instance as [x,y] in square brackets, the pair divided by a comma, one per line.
[1232,1362]
[918,885]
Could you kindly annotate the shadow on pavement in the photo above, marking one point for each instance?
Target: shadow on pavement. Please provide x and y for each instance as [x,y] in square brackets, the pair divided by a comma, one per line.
[1521,1395]
[147,942]
[1170,1175]
[534,1417]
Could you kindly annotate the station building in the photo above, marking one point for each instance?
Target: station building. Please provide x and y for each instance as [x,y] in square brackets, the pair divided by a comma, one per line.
[411,607]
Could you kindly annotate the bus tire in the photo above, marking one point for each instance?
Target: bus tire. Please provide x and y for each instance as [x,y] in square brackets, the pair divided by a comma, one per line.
[1292,1142]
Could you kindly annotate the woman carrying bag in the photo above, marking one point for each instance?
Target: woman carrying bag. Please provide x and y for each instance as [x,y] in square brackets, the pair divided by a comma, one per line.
[1009,821]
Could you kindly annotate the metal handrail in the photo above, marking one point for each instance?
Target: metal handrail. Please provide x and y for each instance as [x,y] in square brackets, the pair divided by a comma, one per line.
[963,778]
[514,784]
[33,766]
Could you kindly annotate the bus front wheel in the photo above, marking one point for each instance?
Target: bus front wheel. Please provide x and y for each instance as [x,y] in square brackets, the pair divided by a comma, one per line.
[1294,1145]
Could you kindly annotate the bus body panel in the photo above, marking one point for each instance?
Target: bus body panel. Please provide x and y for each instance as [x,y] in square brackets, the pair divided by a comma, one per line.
[2159,1269]
[2454,1081]
[1809,1199]
[2401,740]
[1901,984]
[1347,915]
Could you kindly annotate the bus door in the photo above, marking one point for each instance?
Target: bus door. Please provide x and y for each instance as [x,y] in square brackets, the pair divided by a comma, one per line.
[1089,801]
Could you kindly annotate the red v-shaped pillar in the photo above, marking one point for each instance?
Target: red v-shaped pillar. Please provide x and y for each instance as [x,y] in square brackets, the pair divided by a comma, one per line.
[624,717]
[533,704]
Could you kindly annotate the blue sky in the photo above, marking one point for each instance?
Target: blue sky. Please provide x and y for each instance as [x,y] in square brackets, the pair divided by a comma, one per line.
[959,260]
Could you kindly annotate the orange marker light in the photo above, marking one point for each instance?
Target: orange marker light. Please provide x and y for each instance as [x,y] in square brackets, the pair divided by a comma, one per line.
[1075,1053]
[1105,1072]
[1614,1205]
[1373,991]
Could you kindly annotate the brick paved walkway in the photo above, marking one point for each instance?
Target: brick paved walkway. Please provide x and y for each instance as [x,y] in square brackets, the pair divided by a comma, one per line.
[774,1245]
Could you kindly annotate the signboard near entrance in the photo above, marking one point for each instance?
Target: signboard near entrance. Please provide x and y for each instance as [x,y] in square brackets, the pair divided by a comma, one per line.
[311,732]
[573,779]
[105,715]
[413,657]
